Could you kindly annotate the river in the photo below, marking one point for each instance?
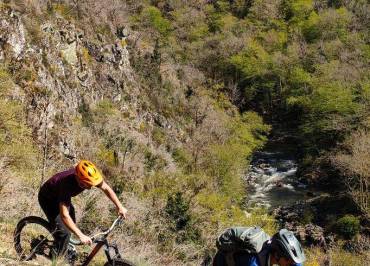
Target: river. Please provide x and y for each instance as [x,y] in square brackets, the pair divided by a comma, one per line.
[272,181]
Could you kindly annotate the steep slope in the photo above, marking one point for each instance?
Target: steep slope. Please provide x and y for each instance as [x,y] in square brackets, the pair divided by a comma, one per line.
[170,148]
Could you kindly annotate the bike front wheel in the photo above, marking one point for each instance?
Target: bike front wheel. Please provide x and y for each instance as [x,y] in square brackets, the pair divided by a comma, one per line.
[33,236]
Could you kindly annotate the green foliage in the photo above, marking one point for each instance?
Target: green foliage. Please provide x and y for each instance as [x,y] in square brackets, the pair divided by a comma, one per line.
[158,136]
[253,123]
[300,82]
[198,32]
[334,23]
[329,24]
[348,226]
[333,98]
[178,210]
[182,157]
[91,216]
[106,155]
[307,217]
[296,10]
[240,7]
[214,20]
[5,80]
[222,210]
[153,162]
[227,161]
[86,55]
[274,40]
[252,61]
[154,18]
[311,27]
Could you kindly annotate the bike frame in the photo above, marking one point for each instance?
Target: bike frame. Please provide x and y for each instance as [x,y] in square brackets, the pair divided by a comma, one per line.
[98,246]
[100,242]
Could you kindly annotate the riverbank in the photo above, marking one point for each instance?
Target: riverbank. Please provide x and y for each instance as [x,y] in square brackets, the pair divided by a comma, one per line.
[312,212]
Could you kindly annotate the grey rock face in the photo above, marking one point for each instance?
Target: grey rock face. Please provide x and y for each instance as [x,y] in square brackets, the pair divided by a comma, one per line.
[63,71]
[12,32]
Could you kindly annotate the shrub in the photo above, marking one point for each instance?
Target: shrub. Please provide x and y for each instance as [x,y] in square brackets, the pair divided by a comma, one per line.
[177,209]
[348,226]
[182,158]
[153,17]
[84,110]
[153,162]
[308,216]
[158,136]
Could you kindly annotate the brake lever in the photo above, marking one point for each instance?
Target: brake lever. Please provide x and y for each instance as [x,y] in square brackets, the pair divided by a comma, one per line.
[120,221]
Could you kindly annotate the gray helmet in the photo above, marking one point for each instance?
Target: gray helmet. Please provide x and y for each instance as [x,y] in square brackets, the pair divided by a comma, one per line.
[285,242]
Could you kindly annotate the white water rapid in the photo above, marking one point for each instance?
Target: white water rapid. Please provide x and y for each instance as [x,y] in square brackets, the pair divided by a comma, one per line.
[272,181]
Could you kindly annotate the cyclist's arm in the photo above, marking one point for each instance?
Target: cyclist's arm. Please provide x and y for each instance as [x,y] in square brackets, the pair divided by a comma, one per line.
[67,220]
[113,197]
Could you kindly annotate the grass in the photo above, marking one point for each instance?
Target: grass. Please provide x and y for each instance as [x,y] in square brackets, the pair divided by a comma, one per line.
[336,256]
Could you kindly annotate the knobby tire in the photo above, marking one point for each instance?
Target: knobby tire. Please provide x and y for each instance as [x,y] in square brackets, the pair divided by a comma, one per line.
[18,234]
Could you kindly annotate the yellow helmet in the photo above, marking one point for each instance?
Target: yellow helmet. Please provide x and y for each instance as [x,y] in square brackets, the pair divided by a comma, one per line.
[88,174]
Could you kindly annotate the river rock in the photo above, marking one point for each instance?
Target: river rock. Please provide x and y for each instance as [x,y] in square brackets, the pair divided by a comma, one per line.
[294,218]
[290,214]
[310,234]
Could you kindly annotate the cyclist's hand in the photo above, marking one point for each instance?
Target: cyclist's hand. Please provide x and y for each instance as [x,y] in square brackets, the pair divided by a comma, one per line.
[85,239]
[122,212]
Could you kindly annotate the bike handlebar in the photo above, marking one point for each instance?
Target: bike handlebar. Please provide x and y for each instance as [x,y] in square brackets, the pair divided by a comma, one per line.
[94,238]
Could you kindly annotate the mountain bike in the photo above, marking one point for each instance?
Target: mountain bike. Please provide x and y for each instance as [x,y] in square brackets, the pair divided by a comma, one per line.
[33,237]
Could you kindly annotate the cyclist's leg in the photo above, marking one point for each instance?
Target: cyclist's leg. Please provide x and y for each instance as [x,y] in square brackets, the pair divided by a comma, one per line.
[50,209]
[62,234]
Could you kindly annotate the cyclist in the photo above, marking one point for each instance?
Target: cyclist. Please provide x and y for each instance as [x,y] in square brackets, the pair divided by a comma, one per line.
[55,200]
[282,249]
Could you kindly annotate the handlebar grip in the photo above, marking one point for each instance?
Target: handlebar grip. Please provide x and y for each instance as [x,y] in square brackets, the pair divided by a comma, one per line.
[75,242]
[78,242]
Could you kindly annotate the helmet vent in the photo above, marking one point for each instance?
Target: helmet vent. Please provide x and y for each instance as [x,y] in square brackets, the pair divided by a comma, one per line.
[294,251]
[86,164]
[89,174]
[83,167]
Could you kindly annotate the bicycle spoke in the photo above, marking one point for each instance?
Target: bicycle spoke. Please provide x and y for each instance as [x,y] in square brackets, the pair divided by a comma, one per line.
[34,240]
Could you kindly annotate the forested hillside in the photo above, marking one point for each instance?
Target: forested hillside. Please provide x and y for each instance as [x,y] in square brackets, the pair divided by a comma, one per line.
[171,99]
